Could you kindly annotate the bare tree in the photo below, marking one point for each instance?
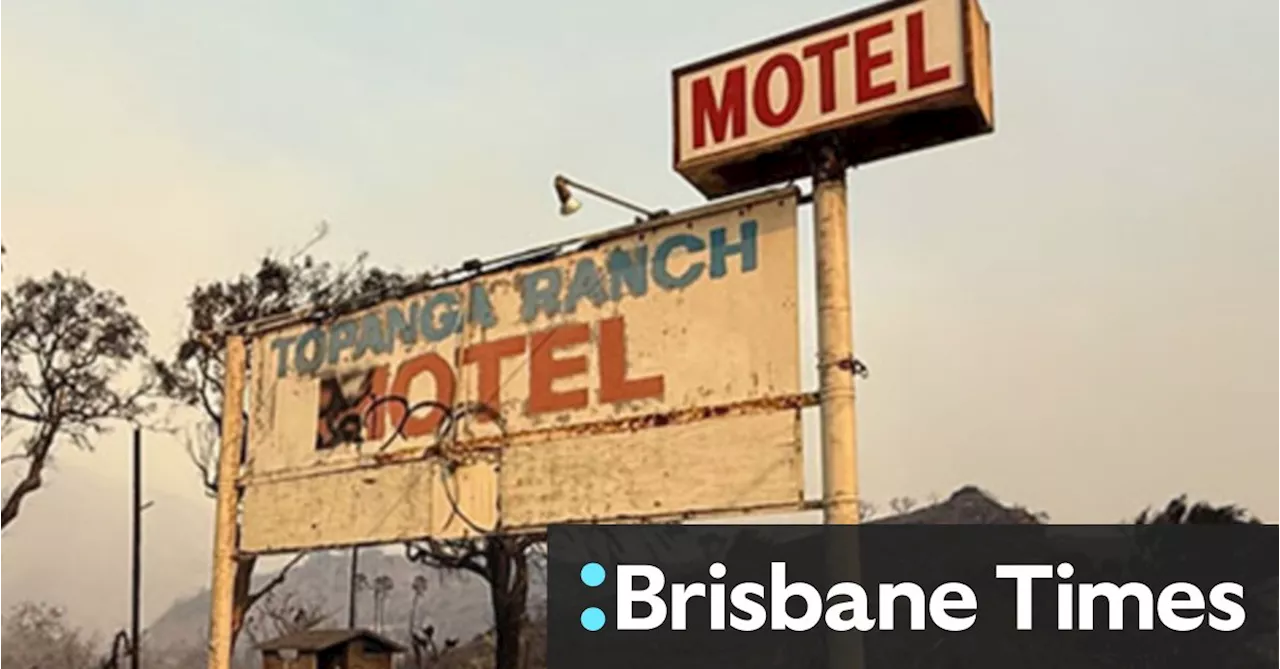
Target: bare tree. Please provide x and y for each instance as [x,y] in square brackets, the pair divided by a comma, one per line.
[382,587]
[121,649]
[194,376]
[66,345]
[866,510]
[422,637]
[503,562]
[1179,512]
[281,613]
[39,635]
[902,505]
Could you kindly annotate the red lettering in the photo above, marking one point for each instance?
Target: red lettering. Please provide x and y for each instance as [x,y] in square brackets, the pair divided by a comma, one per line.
[918,73]
[795,90]
[375,420]
[826,53]
[732,107]
[545,368]
[866,63]
[614,384]
[421,422]
[488,358]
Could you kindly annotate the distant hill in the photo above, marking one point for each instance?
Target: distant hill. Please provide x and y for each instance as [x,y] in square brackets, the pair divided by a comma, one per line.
[456,603]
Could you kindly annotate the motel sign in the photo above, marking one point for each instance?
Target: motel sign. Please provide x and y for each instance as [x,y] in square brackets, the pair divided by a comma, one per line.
[893,78]
[686,326]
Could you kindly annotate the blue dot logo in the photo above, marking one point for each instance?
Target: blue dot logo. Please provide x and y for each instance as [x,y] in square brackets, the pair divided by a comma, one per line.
[592,574]
[592,619]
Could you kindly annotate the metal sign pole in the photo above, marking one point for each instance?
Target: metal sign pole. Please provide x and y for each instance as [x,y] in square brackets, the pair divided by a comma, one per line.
[835,360]
[222,590]
[835,340]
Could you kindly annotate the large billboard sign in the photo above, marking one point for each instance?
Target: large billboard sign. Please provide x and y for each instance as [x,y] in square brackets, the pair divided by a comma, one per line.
[893,78]
[650,374]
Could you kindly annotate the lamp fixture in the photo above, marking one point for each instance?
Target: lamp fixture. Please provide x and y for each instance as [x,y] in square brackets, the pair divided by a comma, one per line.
[570,204]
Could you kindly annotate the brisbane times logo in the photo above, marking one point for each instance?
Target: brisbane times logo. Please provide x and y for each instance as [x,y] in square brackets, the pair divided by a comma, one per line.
[645,602]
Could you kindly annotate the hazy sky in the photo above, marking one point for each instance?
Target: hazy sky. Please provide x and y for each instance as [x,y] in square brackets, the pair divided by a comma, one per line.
[1078,313]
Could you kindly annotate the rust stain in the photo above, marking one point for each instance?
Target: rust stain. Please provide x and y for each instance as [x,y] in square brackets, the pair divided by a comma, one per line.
[676,417]
[469,450]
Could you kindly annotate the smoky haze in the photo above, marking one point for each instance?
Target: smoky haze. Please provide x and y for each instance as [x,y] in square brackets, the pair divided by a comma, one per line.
[1077,312]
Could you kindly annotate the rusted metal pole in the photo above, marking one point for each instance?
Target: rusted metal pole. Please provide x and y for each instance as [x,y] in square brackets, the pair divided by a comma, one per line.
[224,535]
[835,340]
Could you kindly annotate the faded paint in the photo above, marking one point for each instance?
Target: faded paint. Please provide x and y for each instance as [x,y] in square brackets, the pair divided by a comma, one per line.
[698,312]
[545,292]
[705,468]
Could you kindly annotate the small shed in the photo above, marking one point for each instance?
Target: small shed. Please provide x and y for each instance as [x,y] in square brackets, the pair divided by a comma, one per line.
[330,649]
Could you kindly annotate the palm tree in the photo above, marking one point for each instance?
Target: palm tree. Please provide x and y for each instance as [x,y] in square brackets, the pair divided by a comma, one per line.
[360,584]
[382,587]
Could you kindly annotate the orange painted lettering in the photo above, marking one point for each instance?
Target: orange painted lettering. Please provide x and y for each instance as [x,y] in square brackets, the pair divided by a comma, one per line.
[422,421]
[614,384]
[545,368]
[488,358]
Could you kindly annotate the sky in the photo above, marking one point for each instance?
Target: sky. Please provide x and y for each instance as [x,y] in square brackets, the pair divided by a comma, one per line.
[1077,313]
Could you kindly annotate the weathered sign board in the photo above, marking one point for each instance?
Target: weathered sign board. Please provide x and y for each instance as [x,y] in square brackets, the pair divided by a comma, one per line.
[649,375]
[893,78]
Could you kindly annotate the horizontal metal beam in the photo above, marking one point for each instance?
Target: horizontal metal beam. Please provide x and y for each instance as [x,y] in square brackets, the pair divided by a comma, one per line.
[489,445]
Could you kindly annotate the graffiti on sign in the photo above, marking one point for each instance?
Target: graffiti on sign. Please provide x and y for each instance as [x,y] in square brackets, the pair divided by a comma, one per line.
[344,400]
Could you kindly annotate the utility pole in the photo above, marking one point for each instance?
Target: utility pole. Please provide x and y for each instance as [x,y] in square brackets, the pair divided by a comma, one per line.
[351,588]
[135,594]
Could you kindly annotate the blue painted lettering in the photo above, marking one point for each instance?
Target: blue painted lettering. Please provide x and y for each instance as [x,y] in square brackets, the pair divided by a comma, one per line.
[586,283]
[662,276]
[436,329]
[281,347]
[372,337]
[405,328]
[720,249]
[628,268]
[479,308]
[308,362]
[540,292]
[342,337]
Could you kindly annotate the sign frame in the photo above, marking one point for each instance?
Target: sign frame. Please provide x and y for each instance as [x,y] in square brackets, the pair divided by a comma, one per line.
[674,421]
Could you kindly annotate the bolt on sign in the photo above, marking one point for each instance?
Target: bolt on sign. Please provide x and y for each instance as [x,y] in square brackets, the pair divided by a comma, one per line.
[882,81]
[650,374]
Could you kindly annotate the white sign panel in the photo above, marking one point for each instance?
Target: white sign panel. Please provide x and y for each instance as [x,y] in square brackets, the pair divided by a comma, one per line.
[889,60]
[651,375]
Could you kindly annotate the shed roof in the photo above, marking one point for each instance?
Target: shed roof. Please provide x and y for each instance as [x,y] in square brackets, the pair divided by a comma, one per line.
[321,640]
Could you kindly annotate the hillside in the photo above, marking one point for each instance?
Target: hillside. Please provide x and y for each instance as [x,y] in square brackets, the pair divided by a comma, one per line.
[456,603]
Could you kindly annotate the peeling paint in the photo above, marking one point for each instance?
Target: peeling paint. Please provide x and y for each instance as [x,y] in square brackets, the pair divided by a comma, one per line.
[658,330]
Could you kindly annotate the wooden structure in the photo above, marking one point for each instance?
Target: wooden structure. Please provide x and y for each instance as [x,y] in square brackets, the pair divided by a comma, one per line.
[330,649]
